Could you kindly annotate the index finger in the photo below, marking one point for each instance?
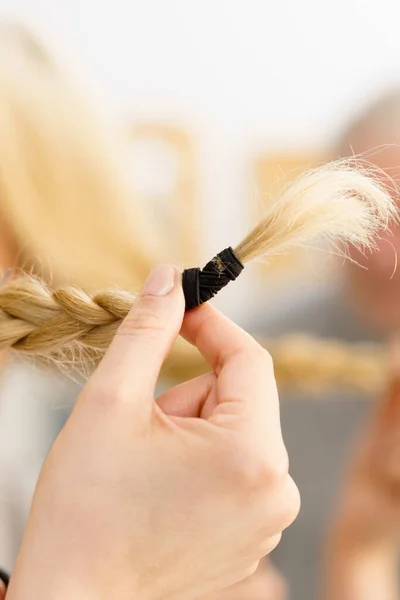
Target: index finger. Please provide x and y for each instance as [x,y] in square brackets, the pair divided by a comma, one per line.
[244,369]
[217,338]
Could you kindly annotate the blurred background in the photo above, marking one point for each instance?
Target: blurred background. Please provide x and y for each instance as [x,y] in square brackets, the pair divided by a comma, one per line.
[217,106]
[240,78]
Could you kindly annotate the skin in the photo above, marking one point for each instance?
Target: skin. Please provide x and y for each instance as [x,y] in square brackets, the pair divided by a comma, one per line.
[174,499]
[265,584]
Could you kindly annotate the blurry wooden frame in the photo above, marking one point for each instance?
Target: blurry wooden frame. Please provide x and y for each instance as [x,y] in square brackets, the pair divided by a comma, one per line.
[183,200]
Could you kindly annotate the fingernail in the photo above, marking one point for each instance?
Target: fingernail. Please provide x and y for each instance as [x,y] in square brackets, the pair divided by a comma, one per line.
[160,282]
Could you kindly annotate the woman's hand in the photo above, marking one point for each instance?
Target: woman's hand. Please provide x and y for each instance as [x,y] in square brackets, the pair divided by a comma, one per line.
[147,501]
[366,533]
[265,584]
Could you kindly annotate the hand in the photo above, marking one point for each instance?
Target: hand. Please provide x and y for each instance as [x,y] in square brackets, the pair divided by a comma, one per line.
[147,501]
[265,584]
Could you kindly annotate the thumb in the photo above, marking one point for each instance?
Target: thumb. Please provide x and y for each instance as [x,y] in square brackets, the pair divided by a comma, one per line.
[131,366]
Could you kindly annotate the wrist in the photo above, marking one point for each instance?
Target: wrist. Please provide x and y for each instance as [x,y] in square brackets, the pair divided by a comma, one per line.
[56,579]
[38,587]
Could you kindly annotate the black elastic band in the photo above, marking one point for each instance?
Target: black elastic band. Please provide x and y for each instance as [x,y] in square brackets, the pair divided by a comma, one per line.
[200,285]
[4,577]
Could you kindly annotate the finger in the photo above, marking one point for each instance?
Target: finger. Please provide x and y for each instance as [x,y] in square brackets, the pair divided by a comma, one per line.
[244,369]
[217,338]
[130,368]
[194,398]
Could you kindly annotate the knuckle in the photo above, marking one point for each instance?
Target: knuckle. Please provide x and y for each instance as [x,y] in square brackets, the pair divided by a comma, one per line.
[279,466]
[248,570]
[276,468]
[266,359]
[271,543]
[269,473]
[263,357]
[260,357]
[256,470]
[291,503]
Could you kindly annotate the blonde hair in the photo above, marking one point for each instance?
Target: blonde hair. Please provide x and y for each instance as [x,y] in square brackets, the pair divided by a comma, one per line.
[337,202]
[63,192]
[74,219]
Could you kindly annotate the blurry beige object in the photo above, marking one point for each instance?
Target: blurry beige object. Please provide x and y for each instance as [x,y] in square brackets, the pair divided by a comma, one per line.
[67,206]
[272,173]
[363,546]
[173,194]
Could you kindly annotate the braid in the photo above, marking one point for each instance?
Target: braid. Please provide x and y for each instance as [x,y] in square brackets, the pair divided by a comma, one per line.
[37,321]
[69,325]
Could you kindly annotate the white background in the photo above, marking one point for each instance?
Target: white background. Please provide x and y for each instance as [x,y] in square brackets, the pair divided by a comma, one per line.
[286,70]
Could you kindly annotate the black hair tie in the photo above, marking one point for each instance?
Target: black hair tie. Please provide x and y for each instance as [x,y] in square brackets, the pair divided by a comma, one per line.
[200,285]
[4,577]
